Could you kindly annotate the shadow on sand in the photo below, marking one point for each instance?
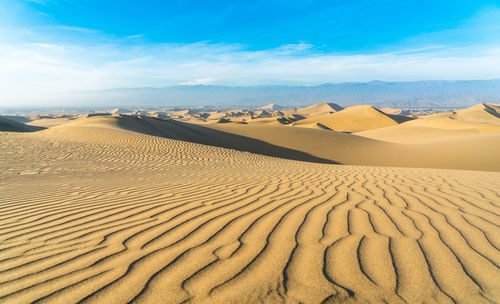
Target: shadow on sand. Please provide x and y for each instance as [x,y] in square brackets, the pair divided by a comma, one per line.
[15,125]
[189,132]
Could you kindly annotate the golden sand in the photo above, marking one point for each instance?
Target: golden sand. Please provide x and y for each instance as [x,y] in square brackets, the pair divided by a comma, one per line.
[109,210]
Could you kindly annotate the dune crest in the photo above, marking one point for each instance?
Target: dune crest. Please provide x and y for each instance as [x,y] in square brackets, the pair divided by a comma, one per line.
[324,146]
[320,108]
[352,119]
[481,118]
[483,112]
[272,106]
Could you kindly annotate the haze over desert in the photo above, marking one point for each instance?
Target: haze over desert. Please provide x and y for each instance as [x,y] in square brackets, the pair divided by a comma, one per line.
[217,152]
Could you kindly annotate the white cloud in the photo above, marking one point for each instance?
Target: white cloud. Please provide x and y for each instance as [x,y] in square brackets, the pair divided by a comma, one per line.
[36,66]
[77,29]
[135,36]
[295,48]
[37,69]
[199,81]
[48,46]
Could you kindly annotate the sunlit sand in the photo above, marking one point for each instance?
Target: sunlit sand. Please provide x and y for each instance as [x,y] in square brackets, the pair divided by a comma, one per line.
[139,209]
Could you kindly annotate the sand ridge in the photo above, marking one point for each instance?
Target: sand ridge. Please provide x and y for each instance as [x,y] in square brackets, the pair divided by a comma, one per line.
[462,151]
[325,146]
[485,112]
[106,214]
[352,119]
[316,145]
[317,109]
[479,119]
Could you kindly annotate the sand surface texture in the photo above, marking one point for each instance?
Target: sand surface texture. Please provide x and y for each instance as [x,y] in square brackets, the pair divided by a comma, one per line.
[93,212]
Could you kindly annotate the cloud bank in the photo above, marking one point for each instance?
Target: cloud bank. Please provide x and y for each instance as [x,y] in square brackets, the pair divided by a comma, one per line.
[38,67]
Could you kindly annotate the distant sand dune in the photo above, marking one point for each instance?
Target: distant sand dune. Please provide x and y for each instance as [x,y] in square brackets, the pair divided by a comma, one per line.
[485,112]
[353,119]
[482,118]
[317,109]
[101,214]
[428,130]
[315,145]
[462,151]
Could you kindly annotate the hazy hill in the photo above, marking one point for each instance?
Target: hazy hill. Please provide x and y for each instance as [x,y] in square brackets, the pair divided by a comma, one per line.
[377,93]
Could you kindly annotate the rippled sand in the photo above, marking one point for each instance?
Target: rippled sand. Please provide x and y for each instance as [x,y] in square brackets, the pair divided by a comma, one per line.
[104,215]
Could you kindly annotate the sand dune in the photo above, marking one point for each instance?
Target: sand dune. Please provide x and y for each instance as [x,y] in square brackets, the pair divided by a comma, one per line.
[272,106]
[216,115]
[101,214]
[178,130]
[426,130]
[352,119]
[485,112]
[272,121]
[320,108]
[482,118]
[463,151]
[13,125]
[50,122]
[391,111]
[474,152]
[133,209]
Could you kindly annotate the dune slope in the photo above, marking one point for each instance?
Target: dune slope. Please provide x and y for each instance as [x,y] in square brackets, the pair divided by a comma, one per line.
[472,152]
[12,125]
[178,130]
[317,109]
[465,151]
[427,130]
[479,119]
[353,119]
[484,112]
[101,214]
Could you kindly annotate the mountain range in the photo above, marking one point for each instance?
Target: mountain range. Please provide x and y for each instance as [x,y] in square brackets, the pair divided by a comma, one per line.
[379,93]
[407,95]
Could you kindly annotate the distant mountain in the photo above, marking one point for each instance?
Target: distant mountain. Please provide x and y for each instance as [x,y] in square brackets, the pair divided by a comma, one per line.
[378,93]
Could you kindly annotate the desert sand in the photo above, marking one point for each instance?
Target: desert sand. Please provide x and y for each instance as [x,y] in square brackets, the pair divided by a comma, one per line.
[137,209]
[353,119]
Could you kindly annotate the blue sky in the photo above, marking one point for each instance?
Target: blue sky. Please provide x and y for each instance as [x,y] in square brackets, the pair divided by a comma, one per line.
[49,46]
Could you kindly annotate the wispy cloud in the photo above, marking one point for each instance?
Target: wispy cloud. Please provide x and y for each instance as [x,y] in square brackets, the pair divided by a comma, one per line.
[48,46]
[135,36]
[76,29]
[55,68]
[198,81]
[296,48]
[32,68]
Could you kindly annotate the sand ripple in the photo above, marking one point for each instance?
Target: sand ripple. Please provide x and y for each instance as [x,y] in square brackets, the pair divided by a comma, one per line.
[117,217]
